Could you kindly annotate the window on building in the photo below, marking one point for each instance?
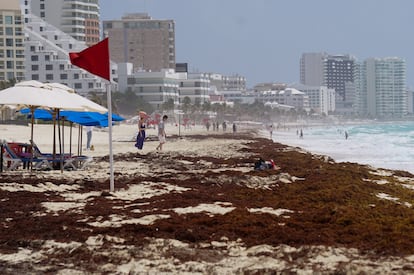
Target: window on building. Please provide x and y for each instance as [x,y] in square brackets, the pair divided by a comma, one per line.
[90,85]
[35,77]
[10,53]
[10,75]
[47,57]
[19,43]
[42,14]
[78,85]
[10,64]
[49,76]
[35,67]
[34,58]
[8,20]
[61,67]
[9,31]
[64,76]
[9,42]
[49,67]
[76,76]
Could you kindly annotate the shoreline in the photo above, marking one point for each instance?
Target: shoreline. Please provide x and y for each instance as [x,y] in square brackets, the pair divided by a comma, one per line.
[353,149]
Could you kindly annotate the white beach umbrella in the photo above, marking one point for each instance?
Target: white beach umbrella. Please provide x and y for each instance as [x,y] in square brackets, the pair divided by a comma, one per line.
[39,95]
[86,104]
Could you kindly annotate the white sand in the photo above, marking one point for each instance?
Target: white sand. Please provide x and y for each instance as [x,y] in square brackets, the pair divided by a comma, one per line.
[158,255]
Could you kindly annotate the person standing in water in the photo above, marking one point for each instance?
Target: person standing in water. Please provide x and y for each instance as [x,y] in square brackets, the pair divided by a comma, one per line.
[141,130]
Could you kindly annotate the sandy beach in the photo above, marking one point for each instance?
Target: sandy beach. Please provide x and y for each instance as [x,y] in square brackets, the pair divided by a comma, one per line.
[199,207]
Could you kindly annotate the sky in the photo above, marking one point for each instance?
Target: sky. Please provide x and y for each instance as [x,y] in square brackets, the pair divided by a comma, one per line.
[263,40]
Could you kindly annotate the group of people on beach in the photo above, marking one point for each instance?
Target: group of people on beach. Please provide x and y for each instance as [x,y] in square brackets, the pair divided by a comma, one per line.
[142,125]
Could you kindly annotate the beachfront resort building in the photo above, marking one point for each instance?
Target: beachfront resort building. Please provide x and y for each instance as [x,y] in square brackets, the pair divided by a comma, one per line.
[287,97]
[11,41]
[77,18]
[227,83]
[333,71]
[381,88]
[196,87]
[321,98]
[159,87]
[149,44]
[156,88]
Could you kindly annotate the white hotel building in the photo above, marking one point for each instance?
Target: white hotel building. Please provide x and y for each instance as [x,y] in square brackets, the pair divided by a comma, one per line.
[381,88]
[321,98]
[162,86]
[11,41]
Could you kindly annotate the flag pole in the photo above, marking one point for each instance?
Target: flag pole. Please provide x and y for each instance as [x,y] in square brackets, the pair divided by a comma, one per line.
[111,156]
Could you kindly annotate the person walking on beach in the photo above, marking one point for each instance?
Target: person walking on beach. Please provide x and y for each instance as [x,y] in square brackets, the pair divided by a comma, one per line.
[89,130]
[234,128]
[141,130]
[161,132]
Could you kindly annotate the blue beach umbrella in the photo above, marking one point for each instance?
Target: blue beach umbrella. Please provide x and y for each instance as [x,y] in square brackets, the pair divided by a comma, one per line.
[81,118]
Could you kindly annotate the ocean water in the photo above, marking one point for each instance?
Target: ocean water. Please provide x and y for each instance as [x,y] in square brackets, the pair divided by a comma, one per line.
[382,145]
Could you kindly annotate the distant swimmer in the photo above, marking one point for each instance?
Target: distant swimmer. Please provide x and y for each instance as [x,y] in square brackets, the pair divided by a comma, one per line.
[346,135]
[301,133]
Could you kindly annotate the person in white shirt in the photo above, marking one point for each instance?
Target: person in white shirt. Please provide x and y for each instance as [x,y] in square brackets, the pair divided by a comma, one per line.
[161,132]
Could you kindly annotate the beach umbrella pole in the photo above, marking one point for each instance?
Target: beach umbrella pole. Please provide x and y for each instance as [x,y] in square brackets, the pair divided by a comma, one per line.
[70,139]
[111,157]
[1,157]
[32,110]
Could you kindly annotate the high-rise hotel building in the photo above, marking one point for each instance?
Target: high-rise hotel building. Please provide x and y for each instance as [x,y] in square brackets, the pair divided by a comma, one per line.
[333,71]
[77,18]
[149,44]
[381,88]
[11,41]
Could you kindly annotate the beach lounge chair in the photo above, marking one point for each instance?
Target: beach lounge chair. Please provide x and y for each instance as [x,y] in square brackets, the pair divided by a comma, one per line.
[70,162]
[55,160]
[77,162]
[14,160]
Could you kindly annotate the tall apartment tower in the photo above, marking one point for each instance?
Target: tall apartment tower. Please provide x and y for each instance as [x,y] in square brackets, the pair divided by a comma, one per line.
[147,43]
[11,41]
[381,88]
[77,18]
[311,69]
[333,71]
